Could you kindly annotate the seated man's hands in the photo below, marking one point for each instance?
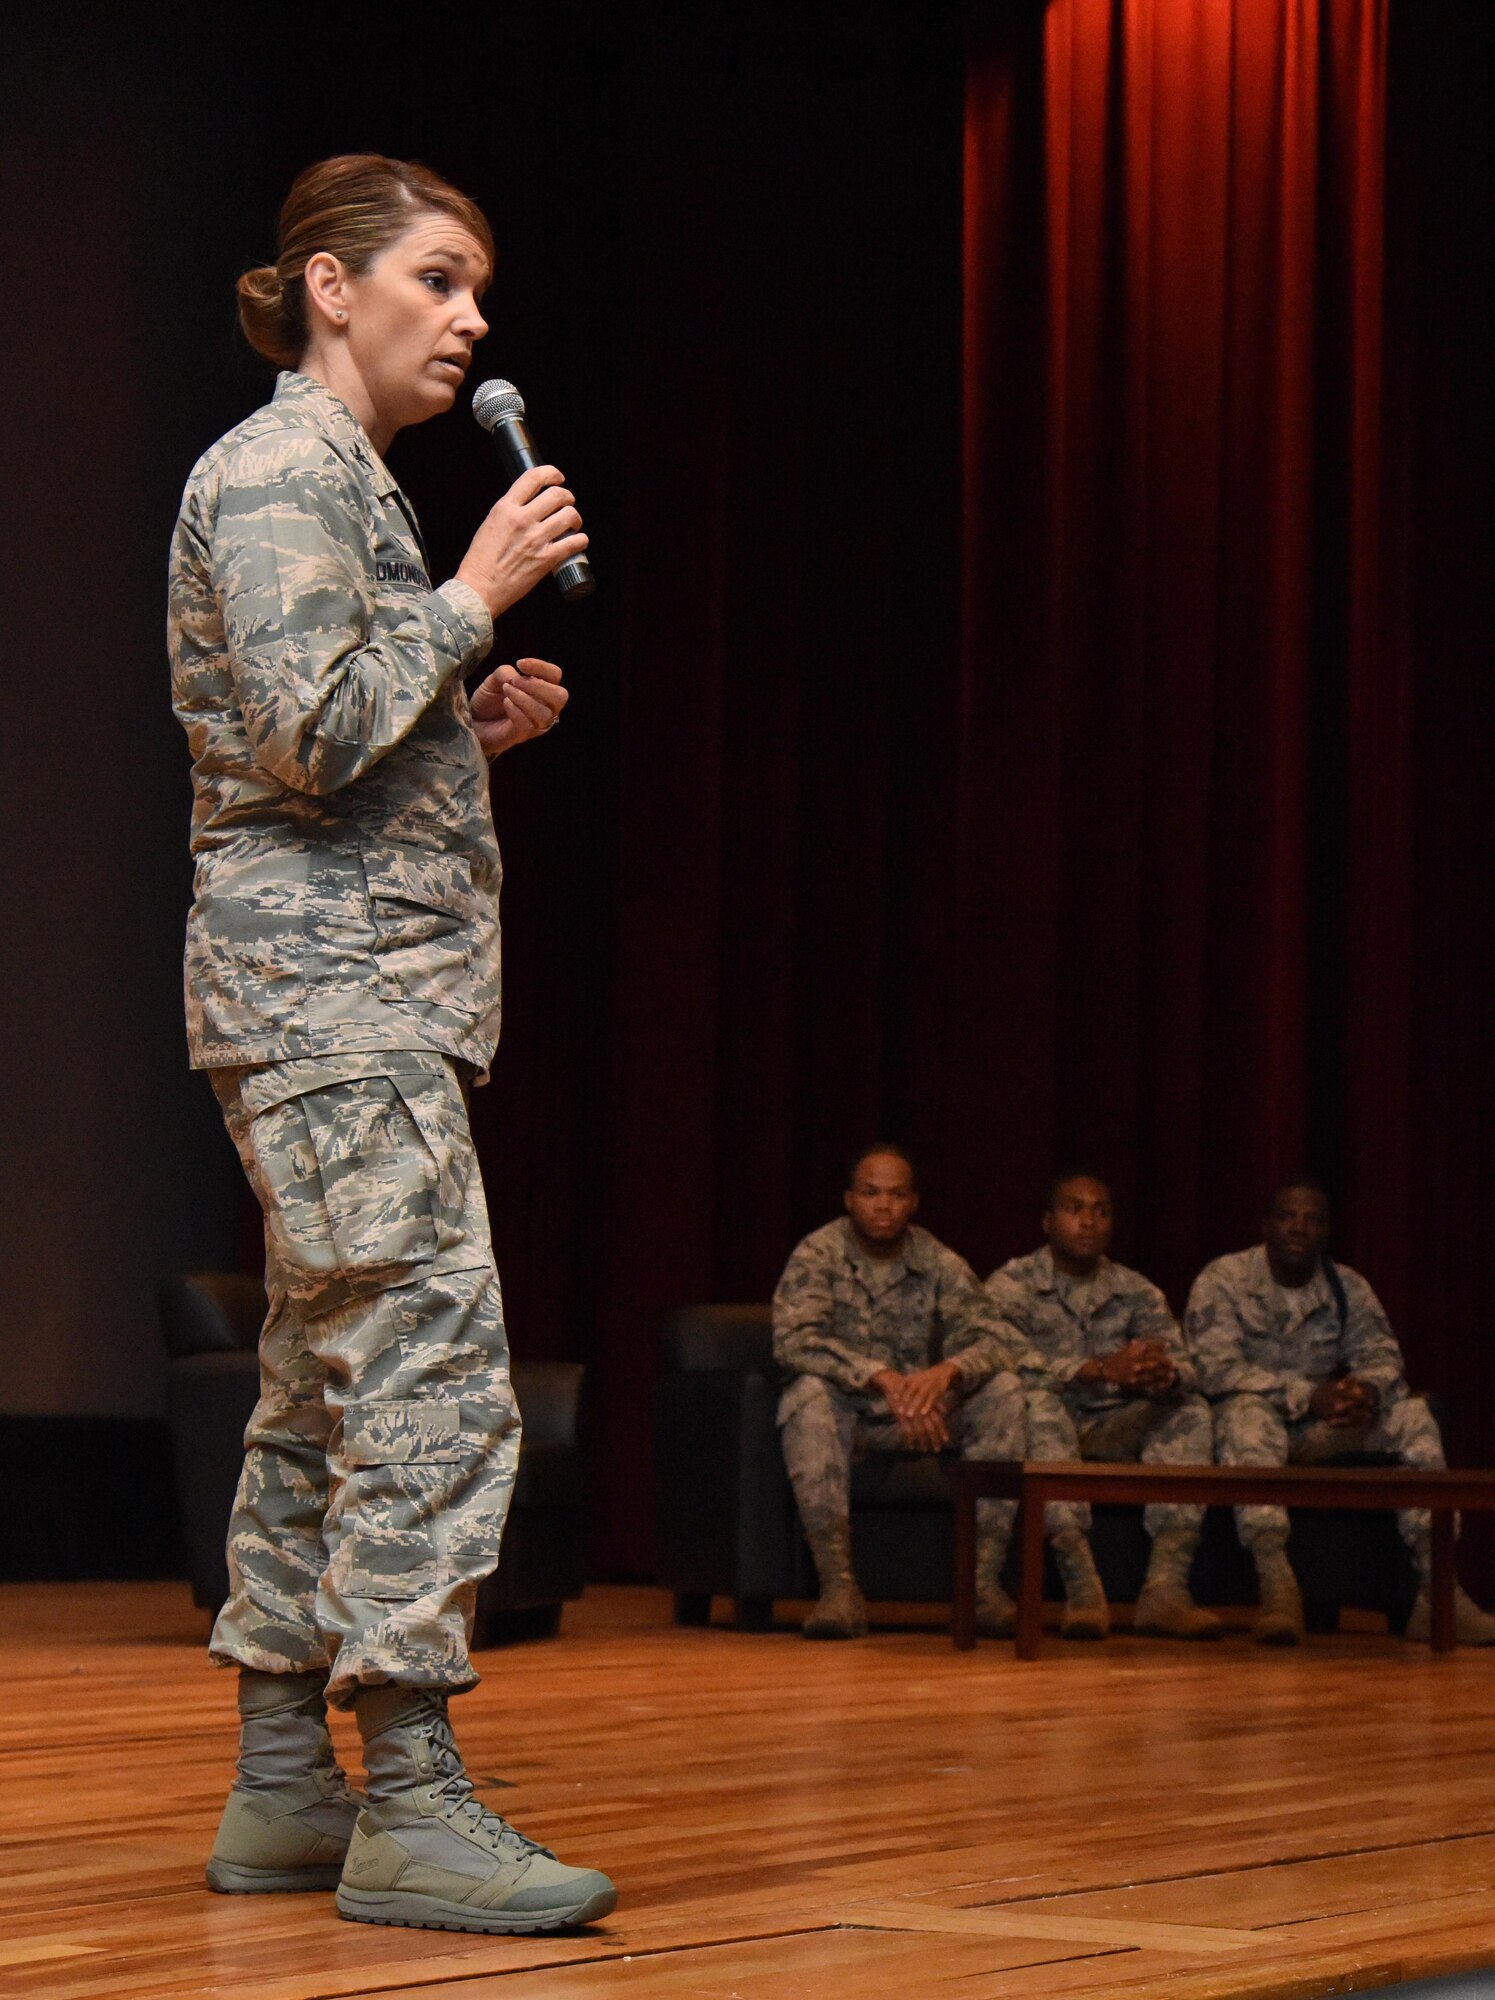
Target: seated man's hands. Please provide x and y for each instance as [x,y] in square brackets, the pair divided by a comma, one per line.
[1141,1368]
[1155,1372]
[921,1402]
[1345,1402]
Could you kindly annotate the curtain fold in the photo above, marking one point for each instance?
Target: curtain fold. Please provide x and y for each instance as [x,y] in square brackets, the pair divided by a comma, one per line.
[1172,360]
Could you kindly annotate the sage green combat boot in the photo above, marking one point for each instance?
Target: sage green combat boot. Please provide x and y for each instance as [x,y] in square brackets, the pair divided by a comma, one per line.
[841,1612]
[428,1853]
[1280,1620]
[1166,1607]
[996,1614]
[1471,1626]
[289,1813]
[1086,1613]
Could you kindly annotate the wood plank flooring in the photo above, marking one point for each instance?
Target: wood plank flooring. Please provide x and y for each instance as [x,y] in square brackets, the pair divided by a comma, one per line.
[1142,1820]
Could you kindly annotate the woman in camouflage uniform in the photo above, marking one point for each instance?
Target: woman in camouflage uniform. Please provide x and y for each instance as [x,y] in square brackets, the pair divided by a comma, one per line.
[342,991]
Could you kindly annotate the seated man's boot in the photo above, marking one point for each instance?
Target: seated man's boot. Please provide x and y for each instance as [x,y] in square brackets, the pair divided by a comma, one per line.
[1280,1620]
[426,1852]
[1086,1613]
[842,1611]
[1471,1626]
[289,1814]
[1166,1608]
[996,1614]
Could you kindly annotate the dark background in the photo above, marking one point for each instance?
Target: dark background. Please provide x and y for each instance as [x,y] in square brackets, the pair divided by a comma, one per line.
[764,896]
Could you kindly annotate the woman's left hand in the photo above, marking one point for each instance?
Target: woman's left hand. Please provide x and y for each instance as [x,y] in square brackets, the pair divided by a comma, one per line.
[515,703]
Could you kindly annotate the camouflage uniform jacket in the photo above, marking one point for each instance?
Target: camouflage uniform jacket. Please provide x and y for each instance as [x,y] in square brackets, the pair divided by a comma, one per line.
[347,871]
[1250,1338]
[1069,1328]
[846,1316]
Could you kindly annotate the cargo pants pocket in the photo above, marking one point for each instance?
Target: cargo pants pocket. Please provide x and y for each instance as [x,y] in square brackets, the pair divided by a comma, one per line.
[380,1180]
[435,1104]
[395,1454]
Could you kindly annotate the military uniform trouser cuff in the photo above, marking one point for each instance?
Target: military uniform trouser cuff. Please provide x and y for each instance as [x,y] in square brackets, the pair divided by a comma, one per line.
[439,1678]
[271,1694]
[245,1655]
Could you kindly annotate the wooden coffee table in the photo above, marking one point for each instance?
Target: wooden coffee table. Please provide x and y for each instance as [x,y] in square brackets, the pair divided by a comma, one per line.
[1032,1483]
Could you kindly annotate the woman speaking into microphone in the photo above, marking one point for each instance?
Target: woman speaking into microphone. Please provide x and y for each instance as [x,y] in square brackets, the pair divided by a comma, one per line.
[342,981]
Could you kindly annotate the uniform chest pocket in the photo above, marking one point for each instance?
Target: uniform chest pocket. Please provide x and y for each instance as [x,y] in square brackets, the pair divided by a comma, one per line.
[1318,1345]
[399,554]
[1264,1348]
[849,1309]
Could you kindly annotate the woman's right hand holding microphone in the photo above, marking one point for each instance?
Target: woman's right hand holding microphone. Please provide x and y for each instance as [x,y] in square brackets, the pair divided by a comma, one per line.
[531,531]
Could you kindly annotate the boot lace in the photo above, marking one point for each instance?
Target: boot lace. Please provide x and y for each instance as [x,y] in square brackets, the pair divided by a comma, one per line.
[325,1765]
[455,1788]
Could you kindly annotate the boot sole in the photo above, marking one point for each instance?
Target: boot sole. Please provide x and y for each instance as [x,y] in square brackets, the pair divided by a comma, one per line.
[1423,1636]
[234,1878]
[1277,1635]
[430,1913]
[1151,1630]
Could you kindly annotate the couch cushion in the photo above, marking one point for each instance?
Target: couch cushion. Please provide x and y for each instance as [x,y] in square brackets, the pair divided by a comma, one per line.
[548,1394]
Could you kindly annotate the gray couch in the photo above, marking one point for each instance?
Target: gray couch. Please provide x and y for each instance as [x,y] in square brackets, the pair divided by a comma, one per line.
[210,1322]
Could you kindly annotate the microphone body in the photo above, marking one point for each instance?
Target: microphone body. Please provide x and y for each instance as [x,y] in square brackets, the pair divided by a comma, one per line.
[499,408]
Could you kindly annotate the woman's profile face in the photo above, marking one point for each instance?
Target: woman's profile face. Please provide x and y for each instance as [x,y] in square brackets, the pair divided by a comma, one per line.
[413,320]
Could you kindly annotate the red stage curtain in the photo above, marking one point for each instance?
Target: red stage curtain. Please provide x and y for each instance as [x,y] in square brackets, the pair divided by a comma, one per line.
[1184,783]
[1116,866]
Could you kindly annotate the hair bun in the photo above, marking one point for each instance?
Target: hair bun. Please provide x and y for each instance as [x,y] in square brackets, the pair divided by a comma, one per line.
[263,316]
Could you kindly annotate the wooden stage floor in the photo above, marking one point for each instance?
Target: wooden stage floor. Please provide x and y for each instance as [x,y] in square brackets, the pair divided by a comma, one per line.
[788,1821]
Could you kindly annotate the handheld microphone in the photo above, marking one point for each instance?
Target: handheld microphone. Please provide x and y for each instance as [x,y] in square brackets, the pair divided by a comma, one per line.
[499,408]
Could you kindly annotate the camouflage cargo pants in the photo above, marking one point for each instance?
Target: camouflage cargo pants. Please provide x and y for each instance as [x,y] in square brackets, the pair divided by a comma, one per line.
[1139,1429]
[823,1426]
[379,1461]
[1251,1431]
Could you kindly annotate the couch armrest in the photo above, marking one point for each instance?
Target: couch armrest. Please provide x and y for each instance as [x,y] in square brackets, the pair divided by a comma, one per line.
[726,1522]
[210,1399]
[549,1396]
[719,1337]
[210,1312]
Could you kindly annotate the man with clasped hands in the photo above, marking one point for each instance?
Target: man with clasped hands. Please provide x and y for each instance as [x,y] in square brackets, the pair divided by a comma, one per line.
[892,1346]
[1118,1384]
[1299,1359]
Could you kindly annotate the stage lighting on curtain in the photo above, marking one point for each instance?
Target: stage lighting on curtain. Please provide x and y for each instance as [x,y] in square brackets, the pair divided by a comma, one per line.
[1173,647]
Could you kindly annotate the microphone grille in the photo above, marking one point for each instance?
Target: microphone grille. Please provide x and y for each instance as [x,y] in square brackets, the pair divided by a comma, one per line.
[494,400]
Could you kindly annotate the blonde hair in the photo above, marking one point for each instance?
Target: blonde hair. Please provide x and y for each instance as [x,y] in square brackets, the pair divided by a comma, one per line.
[351,207]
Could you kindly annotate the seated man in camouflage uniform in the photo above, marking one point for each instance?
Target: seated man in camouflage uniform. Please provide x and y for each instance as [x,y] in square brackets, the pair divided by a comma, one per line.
[1301,1364]
[893,1346]
[1119,1385]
